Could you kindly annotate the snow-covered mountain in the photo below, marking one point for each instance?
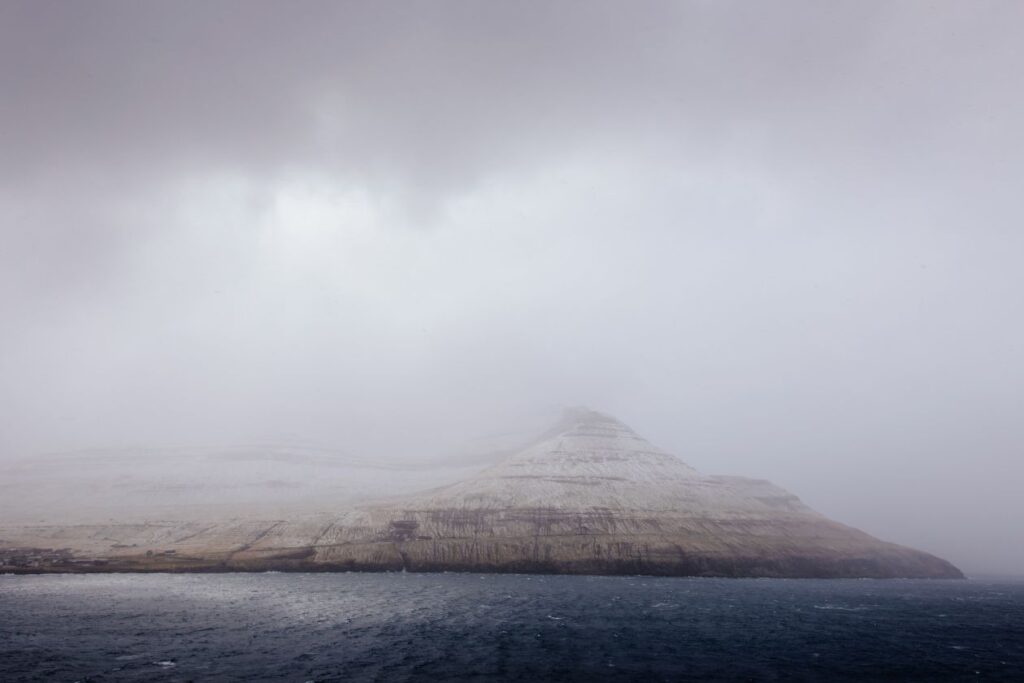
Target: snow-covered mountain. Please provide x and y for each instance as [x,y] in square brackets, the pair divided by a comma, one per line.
[589,496]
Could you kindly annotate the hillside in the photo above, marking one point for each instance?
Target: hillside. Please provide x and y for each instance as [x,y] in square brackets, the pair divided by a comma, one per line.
[590,496]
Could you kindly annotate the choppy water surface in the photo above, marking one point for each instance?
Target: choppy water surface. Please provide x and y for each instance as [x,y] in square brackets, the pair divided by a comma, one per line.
[335,627]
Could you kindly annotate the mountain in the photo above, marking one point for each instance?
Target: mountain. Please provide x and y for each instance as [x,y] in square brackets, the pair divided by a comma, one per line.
[590,497]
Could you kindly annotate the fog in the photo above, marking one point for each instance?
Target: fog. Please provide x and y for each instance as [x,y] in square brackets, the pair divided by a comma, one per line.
[781,240]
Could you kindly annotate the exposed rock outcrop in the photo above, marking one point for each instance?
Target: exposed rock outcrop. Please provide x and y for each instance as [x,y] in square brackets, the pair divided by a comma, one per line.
[590,497]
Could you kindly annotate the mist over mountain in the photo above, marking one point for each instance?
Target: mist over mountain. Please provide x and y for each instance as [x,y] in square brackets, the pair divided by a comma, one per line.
[780,240]
[588,496]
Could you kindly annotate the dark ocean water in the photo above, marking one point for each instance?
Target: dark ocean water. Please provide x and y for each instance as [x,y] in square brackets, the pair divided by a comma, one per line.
[385,627]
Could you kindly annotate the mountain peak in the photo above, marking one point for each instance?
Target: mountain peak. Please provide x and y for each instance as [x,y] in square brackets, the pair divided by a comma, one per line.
[576,418]
[585,415]
[587,443]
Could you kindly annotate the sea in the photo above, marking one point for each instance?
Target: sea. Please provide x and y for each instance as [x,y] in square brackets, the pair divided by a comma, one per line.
[469,627]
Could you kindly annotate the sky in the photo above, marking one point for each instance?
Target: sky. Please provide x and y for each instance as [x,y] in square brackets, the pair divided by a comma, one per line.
[780,239]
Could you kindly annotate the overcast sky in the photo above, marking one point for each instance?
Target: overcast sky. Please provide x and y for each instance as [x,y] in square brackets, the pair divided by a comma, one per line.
[779,239]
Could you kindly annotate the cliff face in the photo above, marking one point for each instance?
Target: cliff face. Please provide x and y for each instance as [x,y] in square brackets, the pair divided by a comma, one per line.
[590,497]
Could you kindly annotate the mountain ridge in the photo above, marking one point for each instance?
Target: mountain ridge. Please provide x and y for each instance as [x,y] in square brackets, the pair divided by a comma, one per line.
[590,496]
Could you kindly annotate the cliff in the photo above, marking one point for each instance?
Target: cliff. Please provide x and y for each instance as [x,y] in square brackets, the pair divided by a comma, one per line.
[590,497]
